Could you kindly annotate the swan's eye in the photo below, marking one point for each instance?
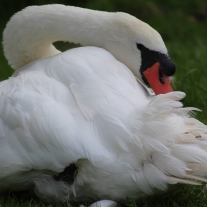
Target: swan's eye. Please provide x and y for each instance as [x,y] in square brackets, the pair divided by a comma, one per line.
[140,46]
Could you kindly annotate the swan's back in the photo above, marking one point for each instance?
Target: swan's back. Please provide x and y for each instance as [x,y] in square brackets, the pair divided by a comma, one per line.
[83,95]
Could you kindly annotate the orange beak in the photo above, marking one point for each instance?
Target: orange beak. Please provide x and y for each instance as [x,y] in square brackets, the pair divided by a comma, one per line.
[152,76]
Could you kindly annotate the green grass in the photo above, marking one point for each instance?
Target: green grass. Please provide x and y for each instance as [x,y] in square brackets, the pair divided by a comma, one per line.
[188,196]
[185,37]
[5,70]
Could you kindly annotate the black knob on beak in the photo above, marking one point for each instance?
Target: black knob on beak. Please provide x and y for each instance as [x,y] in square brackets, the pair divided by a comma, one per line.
[167,66]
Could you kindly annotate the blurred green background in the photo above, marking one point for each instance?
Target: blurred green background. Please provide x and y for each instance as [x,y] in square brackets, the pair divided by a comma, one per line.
[183,26]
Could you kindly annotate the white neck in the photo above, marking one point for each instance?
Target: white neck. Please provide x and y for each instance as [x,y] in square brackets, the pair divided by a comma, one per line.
[30,33]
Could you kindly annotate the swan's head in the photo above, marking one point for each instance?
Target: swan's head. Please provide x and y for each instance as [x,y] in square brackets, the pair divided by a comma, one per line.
[142,49]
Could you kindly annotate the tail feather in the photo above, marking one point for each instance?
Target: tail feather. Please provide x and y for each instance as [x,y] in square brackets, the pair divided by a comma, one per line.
[198,169]
[196,178]
[174,180]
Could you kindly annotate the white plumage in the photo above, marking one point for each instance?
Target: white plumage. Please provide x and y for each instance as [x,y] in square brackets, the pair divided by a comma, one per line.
[84,106]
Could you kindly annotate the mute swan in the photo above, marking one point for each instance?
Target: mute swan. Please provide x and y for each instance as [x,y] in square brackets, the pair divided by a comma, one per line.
[77,126]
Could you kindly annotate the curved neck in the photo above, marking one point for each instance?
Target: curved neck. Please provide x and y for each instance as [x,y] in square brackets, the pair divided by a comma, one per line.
[30,33]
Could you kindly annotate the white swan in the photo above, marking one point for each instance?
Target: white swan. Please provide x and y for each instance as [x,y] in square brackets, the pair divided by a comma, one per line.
[76,126]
